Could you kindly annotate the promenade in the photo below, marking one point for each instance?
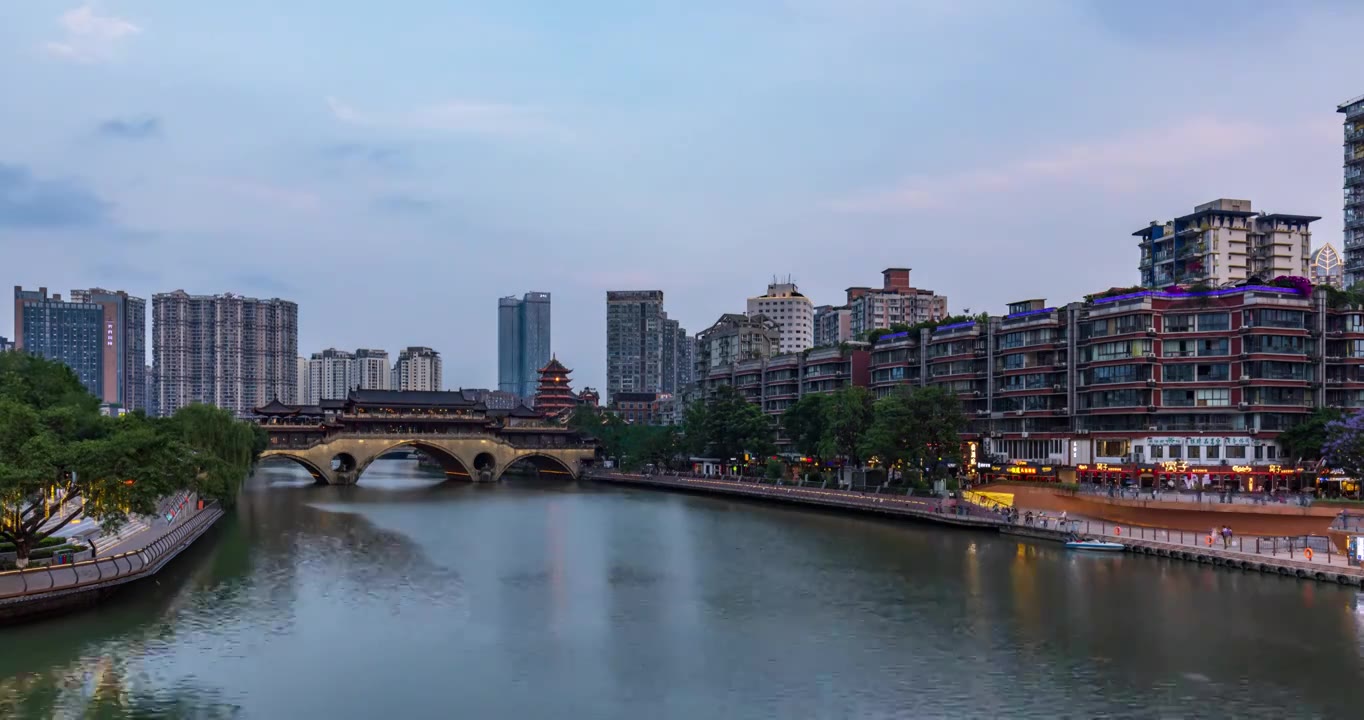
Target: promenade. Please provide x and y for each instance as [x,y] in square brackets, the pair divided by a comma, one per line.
[46,589]
[1308,558]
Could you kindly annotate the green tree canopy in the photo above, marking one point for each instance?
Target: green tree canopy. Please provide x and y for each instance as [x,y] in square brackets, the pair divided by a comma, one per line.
[848,415]
[728,426]
[918,427]
[805,423]
[60,459]
[1306,439]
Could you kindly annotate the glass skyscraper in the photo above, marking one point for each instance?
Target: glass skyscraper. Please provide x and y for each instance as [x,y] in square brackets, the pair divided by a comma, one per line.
[523,342]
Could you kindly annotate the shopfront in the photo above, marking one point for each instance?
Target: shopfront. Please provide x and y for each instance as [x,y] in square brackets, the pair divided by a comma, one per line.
[1019,470]
[1182,475]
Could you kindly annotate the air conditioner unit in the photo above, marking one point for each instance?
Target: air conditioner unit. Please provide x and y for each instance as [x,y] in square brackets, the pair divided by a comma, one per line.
[1243,406]
[1056,388]
[1150,381]
[1061,364]
[1245,378]
[1151,428]
[982,412]
[1081,432]
[1149,355]
[1018,412]
[1151,331]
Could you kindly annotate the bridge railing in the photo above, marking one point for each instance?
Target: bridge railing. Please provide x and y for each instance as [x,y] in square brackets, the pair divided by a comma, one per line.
[517,441]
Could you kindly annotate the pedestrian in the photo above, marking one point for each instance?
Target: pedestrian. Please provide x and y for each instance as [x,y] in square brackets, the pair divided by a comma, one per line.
[1063,520]
[1230,535]
[1226,537]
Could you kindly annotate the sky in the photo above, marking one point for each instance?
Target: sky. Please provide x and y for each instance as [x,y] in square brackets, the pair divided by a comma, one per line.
[394,168]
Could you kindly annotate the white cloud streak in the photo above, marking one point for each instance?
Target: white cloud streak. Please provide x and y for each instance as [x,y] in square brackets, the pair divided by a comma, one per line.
[456,116]
[1124,163]
[89,37]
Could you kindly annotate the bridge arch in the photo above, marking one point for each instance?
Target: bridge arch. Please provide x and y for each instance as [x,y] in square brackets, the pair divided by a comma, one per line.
[454,466]
[319,477]
[544,464]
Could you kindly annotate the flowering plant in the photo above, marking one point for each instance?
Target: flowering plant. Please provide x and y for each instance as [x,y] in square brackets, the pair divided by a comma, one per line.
[1344,447]
[1302,285]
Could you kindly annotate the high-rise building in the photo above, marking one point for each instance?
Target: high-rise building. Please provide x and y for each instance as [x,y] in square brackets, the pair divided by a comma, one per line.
[153,409]
[1354,189]
[99,334]
[371,371]
[894,303]
[130,337]
[235,352]
[523,342]
[677,357]
[1224,242]
[634,341]
[302,392]
[417,368]
[331,375]
[832,325]
[1327,267]
[791,311]
[686,360]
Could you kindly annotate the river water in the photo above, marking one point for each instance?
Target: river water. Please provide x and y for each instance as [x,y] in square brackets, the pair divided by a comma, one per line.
[407,598]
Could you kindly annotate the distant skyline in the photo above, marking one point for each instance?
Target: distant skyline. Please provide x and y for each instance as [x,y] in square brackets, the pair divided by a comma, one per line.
[393,171]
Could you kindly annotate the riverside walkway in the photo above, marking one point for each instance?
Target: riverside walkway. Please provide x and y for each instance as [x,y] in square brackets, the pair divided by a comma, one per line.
[45,587]
[1268,555]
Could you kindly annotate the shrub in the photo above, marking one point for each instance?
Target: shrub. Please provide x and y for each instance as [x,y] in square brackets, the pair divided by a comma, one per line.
[46,542]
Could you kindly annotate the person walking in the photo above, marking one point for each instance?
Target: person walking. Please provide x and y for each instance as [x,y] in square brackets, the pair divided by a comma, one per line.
[1226,537]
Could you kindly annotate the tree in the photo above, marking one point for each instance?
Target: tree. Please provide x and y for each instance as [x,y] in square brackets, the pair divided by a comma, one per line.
[805,423]
[59,459]
[728,426]
[848,415]
[1306,439]
[1344,447]
[917,427]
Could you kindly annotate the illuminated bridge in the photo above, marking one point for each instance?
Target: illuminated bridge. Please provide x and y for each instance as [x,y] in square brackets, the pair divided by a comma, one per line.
[336,440]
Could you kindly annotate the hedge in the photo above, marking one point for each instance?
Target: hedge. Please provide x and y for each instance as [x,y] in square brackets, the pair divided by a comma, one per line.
[46,542]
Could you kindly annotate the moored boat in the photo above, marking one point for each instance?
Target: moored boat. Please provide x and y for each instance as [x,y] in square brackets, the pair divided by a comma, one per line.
[1091,544]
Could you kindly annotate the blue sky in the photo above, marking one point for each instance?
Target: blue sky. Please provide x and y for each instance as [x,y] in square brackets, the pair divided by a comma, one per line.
[396,168]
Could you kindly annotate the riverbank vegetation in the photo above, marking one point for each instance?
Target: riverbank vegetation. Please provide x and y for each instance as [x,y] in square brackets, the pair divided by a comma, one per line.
[61,459]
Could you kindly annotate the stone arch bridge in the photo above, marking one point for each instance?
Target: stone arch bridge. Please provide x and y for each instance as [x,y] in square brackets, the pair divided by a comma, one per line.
[336,441]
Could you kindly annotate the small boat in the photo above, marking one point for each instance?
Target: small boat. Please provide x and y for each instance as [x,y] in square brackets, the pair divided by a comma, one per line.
[1091,544]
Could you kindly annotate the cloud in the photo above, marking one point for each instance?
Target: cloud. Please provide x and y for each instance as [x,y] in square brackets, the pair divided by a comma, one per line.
[88,37]
[267,193]
[456,116]
[30,202]
[139,128]
[1121,164]
[364,155]
[404,205]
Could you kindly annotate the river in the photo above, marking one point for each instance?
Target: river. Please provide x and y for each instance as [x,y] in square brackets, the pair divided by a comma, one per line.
[409,598]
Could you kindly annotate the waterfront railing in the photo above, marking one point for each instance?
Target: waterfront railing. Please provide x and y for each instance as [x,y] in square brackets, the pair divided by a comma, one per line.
[121,567]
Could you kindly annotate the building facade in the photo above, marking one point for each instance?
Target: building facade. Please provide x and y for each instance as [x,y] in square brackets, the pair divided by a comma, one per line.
[791,311]
[371,370]
[303,388]
[1354,189]
[523,342]
[100,334]
[331,375]
[6,344]
[235,352]
[1327,267]
[642,408]
[735,339]
[833,325]
[417,368]
[1224,242]
[635,323]
[153,408]
[896,302]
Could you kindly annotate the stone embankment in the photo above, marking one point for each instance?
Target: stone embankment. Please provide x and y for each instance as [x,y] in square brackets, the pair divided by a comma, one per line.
[25,594]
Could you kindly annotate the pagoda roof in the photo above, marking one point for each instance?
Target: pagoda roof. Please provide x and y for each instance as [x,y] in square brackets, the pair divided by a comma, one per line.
[554,366]
[275,407]
[415,398]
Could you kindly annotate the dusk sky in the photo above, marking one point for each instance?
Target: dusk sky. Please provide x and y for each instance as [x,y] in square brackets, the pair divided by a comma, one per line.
[396,167]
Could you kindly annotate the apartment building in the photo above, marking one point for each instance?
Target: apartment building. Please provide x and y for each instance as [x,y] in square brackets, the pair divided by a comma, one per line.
[371,370]
[833,325]
[793,313]
[1224,242]
[635,325]
[100,334]
[417,368]
[1354,189]
[331,375]
[235,352]
[896,302]
[734,339]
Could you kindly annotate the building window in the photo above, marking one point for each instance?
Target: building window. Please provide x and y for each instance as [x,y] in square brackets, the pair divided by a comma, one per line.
[1208,322]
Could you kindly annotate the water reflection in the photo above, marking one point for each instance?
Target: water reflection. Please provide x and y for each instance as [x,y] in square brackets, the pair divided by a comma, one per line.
[560,600]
